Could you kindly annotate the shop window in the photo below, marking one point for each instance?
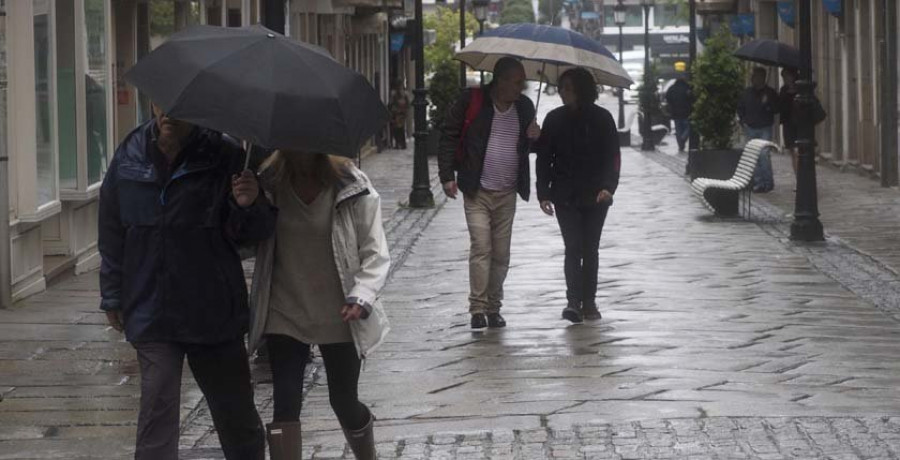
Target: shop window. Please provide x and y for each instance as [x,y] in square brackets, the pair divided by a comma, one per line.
[96,88]
[670,16]
[44,103]
[3,89]
[65,96]
[634,16]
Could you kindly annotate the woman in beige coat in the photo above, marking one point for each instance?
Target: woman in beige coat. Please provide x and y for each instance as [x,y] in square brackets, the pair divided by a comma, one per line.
[317,282]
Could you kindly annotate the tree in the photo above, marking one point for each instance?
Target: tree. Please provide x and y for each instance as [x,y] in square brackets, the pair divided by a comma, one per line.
[445,22]
[717,83]
[517,12]
[162,18]
[550,10]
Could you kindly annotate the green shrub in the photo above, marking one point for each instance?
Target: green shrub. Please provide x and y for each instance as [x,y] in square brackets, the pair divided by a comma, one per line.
[443,91]
[717,83]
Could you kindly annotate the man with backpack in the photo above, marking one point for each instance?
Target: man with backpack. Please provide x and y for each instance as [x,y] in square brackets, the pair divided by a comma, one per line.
[483,153]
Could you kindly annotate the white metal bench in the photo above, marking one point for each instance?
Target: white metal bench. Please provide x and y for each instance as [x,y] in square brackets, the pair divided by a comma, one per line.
[659,132]
[742,179]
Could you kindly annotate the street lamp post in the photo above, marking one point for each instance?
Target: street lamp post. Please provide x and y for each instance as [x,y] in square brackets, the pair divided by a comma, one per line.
[806,225]
[619,16]
[421,196]
[647,144]
[694,139]
[481,9]
[462,41]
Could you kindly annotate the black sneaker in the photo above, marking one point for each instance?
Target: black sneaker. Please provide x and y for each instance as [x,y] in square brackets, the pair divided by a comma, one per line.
[591,313]
[495,320]
[573,314]
[479,321]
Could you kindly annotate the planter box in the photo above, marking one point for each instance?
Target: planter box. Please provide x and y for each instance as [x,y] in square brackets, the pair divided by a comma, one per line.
[716,164]
[625,138]
[434,142]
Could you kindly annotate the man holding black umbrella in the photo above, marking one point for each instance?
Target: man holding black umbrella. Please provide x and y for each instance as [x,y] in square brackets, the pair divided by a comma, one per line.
[174,206]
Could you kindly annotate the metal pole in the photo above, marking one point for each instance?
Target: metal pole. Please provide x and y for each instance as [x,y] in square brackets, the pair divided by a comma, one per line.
[806,225]
[889,149]
[5,256]
[462,41]
[694,139]
[480,32]
[621,90]
[421,196]
[647,143]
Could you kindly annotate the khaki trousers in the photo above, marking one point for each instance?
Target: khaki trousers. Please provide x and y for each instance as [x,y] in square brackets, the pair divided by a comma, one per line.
[489,216]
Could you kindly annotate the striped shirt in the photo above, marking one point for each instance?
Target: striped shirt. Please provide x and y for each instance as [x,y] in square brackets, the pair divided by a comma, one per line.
[501,160]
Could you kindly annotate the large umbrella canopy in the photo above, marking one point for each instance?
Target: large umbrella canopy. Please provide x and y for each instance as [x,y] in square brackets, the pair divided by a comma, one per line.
[262,87]
[770,52]
[546,52]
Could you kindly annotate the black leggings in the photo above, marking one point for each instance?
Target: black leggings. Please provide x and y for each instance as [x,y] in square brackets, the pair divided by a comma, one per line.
[288,358]
[581,229]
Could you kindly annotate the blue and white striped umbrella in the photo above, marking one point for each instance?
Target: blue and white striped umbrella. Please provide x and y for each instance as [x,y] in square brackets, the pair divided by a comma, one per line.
[545,51]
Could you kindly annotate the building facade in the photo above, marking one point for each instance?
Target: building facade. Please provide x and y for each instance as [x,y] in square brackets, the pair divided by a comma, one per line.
[848,67]
[64,105]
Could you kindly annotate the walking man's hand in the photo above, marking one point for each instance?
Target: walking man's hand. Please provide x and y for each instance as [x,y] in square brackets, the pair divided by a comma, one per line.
[534,131]
[114,318]
[450,189]
[547,207]
[604,197]
[245,188]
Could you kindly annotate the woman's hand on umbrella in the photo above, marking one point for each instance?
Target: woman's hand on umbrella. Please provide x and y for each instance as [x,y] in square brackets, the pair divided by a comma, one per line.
[351,312]
[534,131]
[244,188]
[547,207]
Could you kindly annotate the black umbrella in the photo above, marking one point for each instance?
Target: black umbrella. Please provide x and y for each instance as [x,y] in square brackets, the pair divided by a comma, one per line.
[770,52]
[260,86]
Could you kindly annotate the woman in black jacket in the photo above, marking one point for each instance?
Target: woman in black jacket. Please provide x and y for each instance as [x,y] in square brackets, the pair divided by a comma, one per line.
[577,173]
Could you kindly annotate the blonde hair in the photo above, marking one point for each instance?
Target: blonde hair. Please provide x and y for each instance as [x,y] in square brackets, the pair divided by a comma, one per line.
[328,168]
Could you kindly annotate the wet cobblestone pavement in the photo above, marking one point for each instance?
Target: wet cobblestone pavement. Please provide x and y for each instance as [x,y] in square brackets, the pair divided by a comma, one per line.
[720,340]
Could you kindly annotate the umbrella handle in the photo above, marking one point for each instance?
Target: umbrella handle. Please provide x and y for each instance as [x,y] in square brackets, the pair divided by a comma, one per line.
[540,89]
[247,148]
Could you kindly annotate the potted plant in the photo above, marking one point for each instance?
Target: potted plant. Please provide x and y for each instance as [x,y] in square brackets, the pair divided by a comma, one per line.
[649,103]
[443,90]
[717,84]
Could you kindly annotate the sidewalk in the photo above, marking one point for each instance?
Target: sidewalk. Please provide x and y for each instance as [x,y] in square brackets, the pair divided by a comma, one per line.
[718,341]
[69,383]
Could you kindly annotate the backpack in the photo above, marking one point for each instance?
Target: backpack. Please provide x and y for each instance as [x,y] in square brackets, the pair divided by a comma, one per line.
[476,100]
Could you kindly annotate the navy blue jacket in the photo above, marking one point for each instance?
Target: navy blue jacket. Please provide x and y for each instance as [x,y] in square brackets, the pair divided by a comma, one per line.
[169,246]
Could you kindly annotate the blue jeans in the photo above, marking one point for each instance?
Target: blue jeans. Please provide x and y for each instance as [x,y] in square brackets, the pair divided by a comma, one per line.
[763,180]
[682,132]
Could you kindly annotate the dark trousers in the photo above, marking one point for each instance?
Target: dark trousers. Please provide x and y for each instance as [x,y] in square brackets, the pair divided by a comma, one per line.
[682,132]
[581,228]
[223,374]
[288,358]
[399,135]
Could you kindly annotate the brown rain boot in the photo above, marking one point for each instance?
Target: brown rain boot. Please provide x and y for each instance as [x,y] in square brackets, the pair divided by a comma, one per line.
[362,441]
[284,439]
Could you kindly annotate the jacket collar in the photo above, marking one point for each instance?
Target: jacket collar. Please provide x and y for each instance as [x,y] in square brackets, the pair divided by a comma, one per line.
[352,183]
[201,152]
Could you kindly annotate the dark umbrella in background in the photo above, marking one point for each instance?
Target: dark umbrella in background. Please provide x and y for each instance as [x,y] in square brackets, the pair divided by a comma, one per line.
[262,87]
[770,52]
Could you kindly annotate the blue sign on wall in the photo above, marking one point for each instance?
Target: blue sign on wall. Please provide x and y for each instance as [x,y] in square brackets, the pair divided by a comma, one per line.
[787,13]
[743,25]
[834,7]
[397,39]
